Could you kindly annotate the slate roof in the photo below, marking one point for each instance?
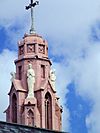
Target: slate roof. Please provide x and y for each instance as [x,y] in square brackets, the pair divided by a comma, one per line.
[16,128]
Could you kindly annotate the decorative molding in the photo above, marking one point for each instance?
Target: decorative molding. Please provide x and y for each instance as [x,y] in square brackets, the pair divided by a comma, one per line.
[41,49]
[30,48]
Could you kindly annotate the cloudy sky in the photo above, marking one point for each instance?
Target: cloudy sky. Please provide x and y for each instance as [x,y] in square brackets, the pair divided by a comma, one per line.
[72,29]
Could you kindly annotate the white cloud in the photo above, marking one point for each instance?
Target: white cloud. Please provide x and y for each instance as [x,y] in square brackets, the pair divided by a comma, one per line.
[6,66]
[88,85]
[93,120]
[10,10]
[86,74]
[58,19]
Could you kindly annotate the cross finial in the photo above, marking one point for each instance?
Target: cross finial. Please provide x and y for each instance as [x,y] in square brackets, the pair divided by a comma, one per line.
[32,5]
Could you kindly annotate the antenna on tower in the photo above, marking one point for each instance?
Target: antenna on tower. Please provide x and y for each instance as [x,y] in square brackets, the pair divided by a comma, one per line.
[31,6]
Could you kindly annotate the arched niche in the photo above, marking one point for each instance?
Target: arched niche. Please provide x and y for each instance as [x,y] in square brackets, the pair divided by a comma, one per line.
[30,118]
[48,111]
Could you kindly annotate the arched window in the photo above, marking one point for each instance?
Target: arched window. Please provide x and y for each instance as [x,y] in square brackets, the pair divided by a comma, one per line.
[48,111]
[14,108]
[30,118]
[20,72]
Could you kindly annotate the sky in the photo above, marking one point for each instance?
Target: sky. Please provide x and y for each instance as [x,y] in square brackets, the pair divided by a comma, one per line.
[72,29]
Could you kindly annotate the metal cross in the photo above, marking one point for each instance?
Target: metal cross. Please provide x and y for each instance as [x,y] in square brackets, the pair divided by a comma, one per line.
[32,5]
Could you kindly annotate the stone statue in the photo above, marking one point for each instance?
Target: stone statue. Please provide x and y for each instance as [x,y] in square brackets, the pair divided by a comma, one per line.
[30,80]
[13,75]
[53,78]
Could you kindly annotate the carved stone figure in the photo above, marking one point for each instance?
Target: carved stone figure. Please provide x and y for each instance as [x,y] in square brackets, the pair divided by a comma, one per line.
[13,75]
[53,78]
[30,80]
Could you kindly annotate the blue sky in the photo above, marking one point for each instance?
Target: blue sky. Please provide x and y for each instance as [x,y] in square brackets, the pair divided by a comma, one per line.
[72,29]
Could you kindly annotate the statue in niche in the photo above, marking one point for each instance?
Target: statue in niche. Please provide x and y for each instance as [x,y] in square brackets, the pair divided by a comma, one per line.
[53,78]
[13,75]
[30,80]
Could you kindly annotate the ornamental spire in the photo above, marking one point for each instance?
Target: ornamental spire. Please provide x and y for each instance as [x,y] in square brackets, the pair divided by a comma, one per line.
[31,6]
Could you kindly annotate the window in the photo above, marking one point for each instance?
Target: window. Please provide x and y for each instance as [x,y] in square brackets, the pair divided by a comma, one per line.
[20,72]
[14,108]
[21,50]
[48,111]
[42,71]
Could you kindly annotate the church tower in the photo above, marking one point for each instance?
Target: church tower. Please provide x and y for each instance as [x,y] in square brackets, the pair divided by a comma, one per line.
[32,97]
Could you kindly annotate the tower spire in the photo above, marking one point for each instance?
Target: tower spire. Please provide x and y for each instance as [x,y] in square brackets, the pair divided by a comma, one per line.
[31,6]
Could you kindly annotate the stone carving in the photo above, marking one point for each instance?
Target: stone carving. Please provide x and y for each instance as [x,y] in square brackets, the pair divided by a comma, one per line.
[30,80]
[13,75]
[30,48]
[41,49]
[21,50]
[53,78]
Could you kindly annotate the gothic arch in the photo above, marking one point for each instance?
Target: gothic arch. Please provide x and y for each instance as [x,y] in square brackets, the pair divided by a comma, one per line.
[48,111]
[14,108]
[30,118]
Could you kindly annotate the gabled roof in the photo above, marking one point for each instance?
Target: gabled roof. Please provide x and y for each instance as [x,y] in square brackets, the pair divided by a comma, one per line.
[44,84]
[16,84]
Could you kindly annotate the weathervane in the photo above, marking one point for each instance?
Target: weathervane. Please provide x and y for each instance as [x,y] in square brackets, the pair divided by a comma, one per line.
[32,5]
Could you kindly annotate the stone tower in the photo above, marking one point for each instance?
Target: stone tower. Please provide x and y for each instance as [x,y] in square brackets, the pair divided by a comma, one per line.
[32,97]
[41,109]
